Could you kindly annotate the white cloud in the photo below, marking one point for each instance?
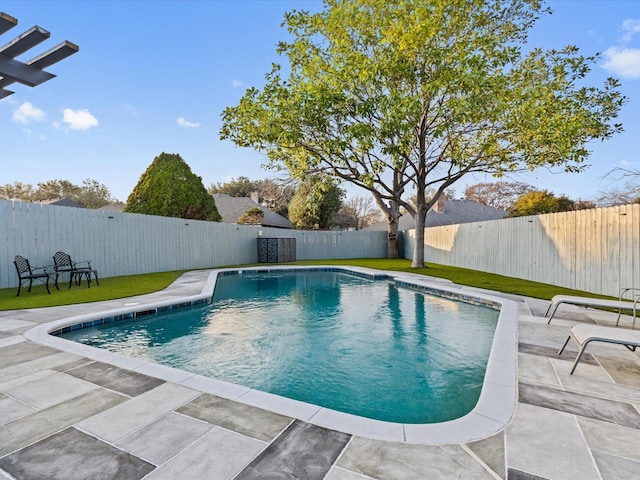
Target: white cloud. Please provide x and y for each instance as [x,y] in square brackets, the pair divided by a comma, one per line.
[187,124]
[631,27]
[624,62]
[26,113]
[79,119]
[237,84]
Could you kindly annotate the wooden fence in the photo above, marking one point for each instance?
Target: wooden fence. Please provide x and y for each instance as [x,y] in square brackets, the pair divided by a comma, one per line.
[595,250]
[127,244]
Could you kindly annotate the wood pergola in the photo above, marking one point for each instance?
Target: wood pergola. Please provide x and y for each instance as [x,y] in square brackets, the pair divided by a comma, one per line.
[32,72]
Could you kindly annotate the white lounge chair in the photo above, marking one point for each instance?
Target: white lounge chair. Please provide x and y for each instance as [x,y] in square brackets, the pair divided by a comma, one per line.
[619,304]
[584,334]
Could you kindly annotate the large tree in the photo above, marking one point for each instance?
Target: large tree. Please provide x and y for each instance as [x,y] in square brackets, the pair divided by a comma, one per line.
[541,201]
[501,195]
[316,203]
[400,97]
[236,187]
[624,195]
[93,194]
[169,188]
[275,194]
[358,212]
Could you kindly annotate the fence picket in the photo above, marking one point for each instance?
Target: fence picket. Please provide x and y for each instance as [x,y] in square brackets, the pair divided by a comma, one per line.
[127,244]
[594,250]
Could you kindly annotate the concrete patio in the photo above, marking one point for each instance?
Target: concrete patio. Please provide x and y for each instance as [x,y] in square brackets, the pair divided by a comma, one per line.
[67,416]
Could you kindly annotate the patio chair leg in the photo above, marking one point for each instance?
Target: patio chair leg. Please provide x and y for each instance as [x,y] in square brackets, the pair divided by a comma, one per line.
[575,364]
[565,344]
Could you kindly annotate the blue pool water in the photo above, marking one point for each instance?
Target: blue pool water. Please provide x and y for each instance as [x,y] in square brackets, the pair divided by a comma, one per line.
[361,346]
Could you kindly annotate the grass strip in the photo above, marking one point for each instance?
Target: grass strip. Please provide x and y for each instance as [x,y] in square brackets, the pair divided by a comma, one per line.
[128,286]
[109,289]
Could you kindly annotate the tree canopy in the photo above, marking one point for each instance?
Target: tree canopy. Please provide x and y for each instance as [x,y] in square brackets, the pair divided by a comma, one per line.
[169,188]
[501,195]
[236,187]
[316,203]
[540,201]
[622,195]
[91,194]
[358,212]
[397,97]
[253,216]
[275,194]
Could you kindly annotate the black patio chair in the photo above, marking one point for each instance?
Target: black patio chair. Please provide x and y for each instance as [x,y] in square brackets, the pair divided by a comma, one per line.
[26,273]
[62,264]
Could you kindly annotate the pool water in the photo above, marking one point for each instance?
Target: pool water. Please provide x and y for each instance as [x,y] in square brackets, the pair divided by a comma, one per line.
[333,339]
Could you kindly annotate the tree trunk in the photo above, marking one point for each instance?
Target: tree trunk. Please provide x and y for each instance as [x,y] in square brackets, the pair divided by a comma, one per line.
[418,246]
[392,239]
[393,216]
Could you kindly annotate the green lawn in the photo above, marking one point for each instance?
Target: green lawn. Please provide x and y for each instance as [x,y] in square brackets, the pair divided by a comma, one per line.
[120,287]
[109,289]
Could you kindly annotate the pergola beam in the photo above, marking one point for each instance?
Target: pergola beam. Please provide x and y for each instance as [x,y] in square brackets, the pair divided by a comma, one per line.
[15,71]
[7,22]
[24,42]
[54,55]
[29,73]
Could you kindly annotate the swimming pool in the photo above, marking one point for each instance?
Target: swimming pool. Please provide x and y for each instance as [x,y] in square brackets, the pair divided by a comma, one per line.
[358,345]
[492,412]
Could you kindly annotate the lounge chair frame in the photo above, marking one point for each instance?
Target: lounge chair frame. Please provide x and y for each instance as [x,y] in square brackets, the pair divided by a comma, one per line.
[584,334]
[620,304]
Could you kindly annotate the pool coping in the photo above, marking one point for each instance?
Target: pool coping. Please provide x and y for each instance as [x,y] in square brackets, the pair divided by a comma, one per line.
[492,413]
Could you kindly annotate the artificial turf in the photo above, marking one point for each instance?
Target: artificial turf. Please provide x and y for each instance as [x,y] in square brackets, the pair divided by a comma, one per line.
[127,286]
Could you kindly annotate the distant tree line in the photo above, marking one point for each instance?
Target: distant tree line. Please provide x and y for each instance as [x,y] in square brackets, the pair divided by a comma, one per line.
[520,199]
[91,194]
[169,188]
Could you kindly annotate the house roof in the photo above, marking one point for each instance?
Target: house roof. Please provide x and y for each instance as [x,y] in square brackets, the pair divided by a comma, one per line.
[455,212]
[61,202]
[231,208]
[113,207]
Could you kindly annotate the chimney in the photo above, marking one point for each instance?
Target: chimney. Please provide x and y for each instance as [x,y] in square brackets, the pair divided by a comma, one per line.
[438,207]
[255,196]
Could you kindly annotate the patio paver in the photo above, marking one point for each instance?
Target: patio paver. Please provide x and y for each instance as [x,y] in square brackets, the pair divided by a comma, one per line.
[578,426]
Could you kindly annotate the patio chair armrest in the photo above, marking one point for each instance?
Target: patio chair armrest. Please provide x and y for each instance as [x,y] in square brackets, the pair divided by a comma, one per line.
[88,262]
[63,268]
[624,291]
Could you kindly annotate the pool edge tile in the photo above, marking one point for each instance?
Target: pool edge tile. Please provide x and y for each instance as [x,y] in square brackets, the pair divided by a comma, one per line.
[504,347]
[281,405]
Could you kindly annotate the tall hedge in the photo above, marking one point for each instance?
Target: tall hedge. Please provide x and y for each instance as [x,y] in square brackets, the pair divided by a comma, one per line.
[170,189]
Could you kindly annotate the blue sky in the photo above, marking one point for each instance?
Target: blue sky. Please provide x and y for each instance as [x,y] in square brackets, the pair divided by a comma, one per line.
[154,76]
